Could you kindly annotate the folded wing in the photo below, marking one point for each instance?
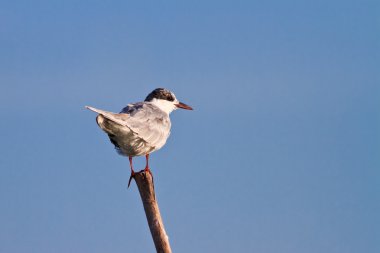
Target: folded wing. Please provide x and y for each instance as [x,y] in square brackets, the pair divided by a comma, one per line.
[146,120]
[149,122]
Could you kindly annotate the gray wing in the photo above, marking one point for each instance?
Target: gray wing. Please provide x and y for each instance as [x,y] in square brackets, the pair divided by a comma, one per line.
[149,122]
[119,118]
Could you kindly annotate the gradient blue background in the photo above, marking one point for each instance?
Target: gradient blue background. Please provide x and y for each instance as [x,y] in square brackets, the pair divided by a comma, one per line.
[280,155]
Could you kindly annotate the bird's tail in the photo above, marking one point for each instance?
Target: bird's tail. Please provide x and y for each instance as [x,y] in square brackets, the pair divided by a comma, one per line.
[97,110]
[114,117]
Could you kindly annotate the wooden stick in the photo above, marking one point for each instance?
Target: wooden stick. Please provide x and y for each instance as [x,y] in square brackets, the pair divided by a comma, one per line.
[145,185]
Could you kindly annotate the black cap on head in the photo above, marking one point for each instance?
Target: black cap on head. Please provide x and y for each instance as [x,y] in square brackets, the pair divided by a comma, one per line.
[160,93]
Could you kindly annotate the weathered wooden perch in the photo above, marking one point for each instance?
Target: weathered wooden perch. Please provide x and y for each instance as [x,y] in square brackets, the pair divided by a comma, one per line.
[145,185]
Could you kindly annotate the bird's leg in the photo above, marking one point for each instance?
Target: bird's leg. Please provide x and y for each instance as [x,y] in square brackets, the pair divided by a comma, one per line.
[147,164]
[147,167]
[132,171]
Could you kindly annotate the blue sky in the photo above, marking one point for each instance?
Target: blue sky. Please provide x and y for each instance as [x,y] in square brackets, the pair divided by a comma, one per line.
[281,153]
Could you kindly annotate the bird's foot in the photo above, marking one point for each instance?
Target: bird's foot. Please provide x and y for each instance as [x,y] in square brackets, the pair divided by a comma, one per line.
[130,177]
[147,170]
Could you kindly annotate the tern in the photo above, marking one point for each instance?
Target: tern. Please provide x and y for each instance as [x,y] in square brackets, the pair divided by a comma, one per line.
[140,128]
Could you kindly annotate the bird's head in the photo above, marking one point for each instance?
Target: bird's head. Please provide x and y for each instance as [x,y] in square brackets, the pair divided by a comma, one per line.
[165,100]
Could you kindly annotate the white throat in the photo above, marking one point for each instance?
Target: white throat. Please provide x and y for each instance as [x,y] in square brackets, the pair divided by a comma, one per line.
[164,105]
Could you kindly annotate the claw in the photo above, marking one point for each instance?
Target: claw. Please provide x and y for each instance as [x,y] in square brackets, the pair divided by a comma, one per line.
[130,177]
[148,171]
[132,172]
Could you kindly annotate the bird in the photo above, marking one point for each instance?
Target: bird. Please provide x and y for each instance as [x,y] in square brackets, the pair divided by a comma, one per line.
[140,128]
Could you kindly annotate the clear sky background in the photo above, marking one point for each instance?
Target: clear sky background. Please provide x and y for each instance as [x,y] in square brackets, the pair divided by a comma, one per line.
[281,153]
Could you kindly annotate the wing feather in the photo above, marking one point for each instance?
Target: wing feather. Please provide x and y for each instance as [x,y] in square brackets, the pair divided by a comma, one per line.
[119,118]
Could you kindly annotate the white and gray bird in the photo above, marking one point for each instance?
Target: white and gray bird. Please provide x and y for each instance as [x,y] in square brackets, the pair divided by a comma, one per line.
[140,128]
